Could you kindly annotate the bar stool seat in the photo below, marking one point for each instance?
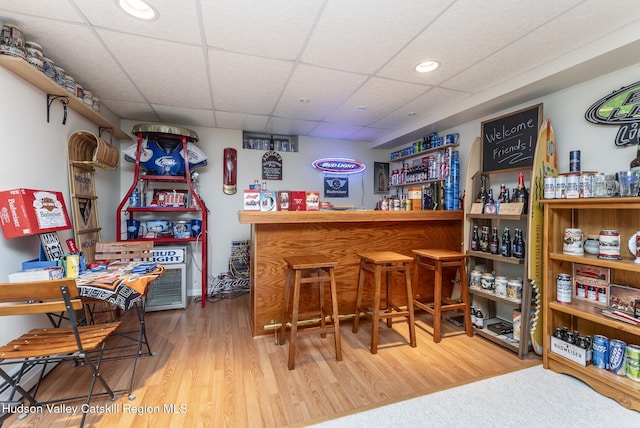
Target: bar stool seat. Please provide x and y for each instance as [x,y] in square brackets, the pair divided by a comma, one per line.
[436,260]
[309,269]
[377,262]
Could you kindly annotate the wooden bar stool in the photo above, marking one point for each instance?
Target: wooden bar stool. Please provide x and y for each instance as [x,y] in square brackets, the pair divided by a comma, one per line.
[309,269]
[376,263]
[436,260]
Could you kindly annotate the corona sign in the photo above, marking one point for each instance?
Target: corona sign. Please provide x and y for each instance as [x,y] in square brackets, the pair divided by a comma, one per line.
[338,165]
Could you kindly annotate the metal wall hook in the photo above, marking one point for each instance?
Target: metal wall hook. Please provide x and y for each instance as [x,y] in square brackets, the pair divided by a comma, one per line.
[102,129]
[64,100]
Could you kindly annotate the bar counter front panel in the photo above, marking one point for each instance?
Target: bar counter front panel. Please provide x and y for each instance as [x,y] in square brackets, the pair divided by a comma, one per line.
[340,235]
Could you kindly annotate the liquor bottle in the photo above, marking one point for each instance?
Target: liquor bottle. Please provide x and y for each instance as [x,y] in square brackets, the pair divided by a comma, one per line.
[518,245]
[506,243]
[484,239]
[475,240]
[634,166]
[514,195]
[494,243]
[482,195]
[523,194]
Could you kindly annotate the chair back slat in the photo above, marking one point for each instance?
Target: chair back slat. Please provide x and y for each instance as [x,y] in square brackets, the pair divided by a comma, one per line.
[124,250]
[43,296]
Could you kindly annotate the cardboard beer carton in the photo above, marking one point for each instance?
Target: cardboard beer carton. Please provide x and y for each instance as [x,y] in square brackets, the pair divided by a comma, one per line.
[25,212]
[312,201]
[251,200]
[298,201]
[268,200]
[284,200]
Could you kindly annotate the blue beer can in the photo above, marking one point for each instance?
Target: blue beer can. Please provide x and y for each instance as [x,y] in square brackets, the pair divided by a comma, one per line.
[600,355]
[616,356]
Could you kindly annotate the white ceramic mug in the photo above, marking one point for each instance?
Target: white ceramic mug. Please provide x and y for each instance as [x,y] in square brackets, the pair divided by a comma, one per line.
[573,242]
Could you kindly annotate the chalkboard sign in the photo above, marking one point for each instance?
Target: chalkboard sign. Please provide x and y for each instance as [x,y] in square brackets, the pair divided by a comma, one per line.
[509,141]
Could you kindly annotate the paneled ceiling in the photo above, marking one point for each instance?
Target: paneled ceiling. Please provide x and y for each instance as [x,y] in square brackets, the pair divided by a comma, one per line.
[328,68]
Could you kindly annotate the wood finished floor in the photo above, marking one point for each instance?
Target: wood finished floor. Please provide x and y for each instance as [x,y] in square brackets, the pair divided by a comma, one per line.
[208,362]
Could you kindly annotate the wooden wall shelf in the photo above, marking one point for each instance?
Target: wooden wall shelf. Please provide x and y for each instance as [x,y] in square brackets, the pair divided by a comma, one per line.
[35,77]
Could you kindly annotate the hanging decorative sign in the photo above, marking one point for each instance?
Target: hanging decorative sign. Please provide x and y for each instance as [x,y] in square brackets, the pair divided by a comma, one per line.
[338,165]
[336,186]
[271,166]
[621,107]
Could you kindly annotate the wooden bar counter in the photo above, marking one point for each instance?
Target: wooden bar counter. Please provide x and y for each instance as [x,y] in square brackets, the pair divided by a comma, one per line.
[340,235]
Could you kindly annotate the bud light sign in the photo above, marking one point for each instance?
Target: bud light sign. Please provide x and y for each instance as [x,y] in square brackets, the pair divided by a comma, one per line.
[338,165]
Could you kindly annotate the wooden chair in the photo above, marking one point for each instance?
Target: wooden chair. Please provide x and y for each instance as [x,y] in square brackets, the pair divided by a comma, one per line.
[45,346]
[98,310]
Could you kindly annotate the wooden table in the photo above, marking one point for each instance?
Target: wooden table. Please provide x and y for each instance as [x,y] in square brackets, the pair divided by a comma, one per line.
[339,235]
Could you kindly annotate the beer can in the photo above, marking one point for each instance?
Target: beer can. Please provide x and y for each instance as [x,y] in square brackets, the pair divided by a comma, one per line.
[563,282]
[600,356]
[549,187]
[632,362]
[616,356]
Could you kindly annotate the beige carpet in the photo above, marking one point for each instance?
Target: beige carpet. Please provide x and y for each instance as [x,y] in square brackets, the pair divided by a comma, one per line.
[532,397]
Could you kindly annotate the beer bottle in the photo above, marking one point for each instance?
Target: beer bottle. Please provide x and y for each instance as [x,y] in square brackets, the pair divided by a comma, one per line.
[475,240]
[506,243]
[523,194]
[494,244]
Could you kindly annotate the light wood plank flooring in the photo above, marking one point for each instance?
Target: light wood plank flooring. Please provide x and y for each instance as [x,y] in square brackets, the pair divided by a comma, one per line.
[217,375]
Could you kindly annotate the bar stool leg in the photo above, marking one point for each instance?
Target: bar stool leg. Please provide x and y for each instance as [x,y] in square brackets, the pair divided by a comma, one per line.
[464,290]
[294,320]
[335,316]
[356,320]
[388,307]
[323,322]
[375,316]
[437,303]
[285,311]
[412,326]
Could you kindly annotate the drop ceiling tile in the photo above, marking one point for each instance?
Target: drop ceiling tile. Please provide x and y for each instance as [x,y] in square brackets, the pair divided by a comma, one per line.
[52,9]
[431,101]
[246,84]
[179,79]
[276,29]
[137,111]
[177,20]
[185,116]
[361,35]
[326,90]
[335,130]
[370,134]
[246,122]
[587,23]
[279,125]
[468,32]
[380,97]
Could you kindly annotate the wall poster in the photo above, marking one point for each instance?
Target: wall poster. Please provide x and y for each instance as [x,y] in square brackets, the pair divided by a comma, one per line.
[381,178]
[336,186]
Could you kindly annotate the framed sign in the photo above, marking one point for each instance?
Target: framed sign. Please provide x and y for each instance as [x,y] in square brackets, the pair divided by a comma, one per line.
[509,141]
[381,178]
[336,186]
[272,166]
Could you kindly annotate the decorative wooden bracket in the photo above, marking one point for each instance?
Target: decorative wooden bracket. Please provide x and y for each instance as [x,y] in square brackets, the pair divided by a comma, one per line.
[63,99]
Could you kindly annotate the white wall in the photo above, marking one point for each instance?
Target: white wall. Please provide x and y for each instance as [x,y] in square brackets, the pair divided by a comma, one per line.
[35,157]
[297,175]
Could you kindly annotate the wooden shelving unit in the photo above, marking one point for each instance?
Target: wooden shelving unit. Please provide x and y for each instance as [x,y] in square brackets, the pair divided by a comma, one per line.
[591,215]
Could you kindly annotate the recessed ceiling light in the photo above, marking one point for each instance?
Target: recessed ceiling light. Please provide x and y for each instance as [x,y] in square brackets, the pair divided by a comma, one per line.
[304,100]
[362,108]
[427,66]
[411,113]
[138,9]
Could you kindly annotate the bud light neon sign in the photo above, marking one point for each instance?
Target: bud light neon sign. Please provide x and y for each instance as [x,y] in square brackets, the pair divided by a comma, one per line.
[338,165]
